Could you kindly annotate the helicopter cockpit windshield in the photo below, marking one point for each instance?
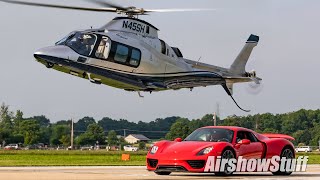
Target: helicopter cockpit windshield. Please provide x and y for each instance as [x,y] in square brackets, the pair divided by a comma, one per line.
[82,43]
[63,40]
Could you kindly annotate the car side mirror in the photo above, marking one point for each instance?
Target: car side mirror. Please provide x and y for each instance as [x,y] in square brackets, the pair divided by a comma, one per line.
[245,141]
[178,140]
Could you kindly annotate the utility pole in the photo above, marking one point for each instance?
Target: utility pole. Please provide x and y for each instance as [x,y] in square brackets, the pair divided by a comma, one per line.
[215,119]
[218,109]
[257,123]
[124,133]
[72,133]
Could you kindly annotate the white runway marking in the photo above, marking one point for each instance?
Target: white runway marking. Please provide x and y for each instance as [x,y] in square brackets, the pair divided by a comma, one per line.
[132,172]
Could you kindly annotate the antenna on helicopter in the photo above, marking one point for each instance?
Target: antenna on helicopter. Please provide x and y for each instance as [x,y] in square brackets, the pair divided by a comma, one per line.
[230,94]
[198,60]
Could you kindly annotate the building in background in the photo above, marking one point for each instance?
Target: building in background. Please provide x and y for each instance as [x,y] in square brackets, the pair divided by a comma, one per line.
[136,138]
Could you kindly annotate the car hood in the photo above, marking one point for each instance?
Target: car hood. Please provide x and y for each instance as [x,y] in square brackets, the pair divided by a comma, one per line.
[186,147]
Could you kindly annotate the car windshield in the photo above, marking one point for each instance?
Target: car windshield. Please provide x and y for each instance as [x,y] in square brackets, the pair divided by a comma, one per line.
[82,43]
[211,135]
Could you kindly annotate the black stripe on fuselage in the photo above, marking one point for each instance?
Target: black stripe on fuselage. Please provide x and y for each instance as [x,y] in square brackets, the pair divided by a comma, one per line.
[144,81]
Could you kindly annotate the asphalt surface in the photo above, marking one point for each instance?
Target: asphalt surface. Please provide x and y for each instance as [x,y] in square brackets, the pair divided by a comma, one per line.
[133,172]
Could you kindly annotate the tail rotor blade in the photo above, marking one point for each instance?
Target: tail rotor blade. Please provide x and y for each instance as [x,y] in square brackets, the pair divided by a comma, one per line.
[254,88]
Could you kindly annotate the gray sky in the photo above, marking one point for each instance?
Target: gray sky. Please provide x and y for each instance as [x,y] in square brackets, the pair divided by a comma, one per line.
[287,58]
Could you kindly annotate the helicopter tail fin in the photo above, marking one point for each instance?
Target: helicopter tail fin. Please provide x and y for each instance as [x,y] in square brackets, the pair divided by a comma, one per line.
[239,64]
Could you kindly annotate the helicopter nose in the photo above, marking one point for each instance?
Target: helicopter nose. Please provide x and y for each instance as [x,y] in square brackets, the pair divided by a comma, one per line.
[37,55]
[42,53]
[55,53]
[45,56]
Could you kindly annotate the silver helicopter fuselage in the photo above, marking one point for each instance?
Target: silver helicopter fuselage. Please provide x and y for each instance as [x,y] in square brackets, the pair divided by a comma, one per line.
[127,53]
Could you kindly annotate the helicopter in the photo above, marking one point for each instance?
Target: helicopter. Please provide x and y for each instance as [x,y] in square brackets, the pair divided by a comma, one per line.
[127,53]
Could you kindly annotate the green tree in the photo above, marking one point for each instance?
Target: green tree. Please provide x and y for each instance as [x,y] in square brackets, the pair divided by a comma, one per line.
[17,122]
[302,136]
[93,134]
[57,132]
[65,140]
[42,120]
[179,129]
[83,123]
[6,117]
[5,124]
[83,139]
[45,134]
[270,130]
[112,138]
[315,131]
[30,130]
[96,133]
[16,138]
[142,145]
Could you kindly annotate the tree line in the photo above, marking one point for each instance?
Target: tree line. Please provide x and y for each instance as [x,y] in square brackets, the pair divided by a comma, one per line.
[15,128]
[303,125]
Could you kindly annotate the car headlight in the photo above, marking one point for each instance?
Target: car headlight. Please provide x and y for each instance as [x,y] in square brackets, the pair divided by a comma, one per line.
[154,149]
[205,151]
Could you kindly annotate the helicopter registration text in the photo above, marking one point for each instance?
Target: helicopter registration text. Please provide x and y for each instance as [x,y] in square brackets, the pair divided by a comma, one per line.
[134,26]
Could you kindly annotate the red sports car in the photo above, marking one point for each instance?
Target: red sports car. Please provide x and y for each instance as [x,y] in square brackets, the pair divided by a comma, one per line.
[191,154]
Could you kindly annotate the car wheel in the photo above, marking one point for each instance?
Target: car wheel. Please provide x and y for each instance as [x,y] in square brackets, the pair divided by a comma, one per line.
[226,154]
[163,173]
[288,153]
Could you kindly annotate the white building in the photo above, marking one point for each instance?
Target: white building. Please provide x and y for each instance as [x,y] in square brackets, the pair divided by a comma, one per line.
[135,138]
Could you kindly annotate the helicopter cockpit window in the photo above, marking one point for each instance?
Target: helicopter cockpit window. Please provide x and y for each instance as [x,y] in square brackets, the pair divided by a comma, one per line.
[82,43]
[103,48]
[121,54]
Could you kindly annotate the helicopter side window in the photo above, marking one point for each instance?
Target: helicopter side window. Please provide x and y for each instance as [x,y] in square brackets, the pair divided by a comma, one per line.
[103,48]
[163,47]
[82,43]
[135,57]
[121,54]
[124,54]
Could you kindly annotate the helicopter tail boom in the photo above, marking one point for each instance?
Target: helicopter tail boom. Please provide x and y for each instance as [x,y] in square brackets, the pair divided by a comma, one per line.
[239,64]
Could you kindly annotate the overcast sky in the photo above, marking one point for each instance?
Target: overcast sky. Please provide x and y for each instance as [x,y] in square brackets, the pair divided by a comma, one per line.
[287,58]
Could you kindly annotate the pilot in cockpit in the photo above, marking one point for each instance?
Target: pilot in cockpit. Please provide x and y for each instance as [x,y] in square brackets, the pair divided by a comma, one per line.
[83,43]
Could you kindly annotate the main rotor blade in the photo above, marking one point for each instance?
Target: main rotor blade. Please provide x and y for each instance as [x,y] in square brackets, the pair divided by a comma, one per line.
[60,6]
[177,10]
[107,4]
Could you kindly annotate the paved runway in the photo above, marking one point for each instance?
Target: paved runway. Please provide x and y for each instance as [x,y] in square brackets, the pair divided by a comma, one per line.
[133,172]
